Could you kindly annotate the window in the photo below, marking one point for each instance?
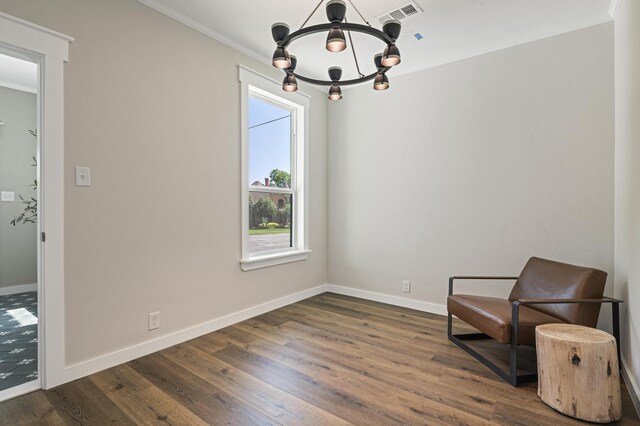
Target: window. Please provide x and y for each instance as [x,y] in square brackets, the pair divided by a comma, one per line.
[274,225]
[271,181]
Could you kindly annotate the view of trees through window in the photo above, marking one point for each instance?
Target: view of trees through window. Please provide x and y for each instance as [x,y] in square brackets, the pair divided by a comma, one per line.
[270,181]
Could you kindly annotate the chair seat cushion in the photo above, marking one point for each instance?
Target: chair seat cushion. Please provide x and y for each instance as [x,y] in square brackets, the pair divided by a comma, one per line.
[492,316]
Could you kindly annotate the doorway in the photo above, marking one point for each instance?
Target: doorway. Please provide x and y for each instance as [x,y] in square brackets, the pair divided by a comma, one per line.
[19,223]
[49,50]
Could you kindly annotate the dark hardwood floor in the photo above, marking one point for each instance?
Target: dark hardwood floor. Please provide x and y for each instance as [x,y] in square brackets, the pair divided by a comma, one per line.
[330,359]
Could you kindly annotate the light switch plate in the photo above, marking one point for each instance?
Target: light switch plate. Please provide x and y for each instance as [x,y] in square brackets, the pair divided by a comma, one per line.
[83,176]
[7,196]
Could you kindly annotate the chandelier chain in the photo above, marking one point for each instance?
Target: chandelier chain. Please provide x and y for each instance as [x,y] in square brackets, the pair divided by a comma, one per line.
[353,50]
[312,13]
[358,11]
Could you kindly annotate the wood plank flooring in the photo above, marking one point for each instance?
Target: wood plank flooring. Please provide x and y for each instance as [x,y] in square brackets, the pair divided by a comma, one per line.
[328,360]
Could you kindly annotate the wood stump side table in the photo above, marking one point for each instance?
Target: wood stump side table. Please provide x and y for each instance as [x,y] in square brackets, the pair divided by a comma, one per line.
[578,372]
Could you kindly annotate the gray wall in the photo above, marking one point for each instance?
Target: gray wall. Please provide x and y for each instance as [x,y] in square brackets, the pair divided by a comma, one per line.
[473,167]
[18,244]
[153,107]
[627,200]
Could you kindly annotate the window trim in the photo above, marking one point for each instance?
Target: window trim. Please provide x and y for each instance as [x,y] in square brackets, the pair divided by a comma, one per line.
[254,83]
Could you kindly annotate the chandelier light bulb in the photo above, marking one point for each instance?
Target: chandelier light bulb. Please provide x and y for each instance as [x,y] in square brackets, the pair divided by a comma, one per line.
[391,56]
[281,58]
[335,40]
[335,93]
[381,82]
[290,83]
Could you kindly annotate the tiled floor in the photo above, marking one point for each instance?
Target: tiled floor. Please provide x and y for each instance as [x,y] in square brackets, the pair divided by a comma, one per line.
[18,339]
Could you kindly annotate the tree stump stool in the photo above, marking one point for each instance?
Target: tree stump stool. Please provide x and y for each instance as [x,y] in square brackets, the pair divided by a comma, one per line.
[578,372]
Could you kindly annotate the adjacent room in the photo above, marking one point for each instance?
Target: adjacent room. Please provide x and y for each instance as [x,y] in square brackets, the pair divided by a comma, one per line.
[18,217]
[320,212]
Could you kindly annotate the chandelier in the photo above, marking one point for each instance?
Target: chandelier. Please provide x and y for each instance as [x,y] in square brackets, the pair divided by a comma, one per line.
[336,42]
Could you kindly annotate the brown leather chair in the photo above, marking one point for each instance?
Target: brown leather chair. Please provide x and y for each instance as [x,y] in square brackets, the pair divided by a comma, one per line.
[545,292]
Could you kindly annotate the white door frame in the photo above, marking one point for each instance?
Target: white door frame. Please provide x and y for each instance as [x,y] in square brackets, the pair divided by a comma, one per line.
[49,49]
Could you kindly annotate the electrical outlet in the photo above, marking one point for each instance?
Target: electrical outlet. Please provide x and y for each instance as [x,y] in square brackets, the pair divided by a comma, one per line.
[406,286]
[154,320]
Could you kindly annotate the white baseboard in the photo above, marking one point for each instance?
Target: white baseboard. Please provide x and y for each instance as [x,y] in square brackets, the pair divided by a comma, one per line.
[18,289]
[634,390]
[85,368]
[418,305]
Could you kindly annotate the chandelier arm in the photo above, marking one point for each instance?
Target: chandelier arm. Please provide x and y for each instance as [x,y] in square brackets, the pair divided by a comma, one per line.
[342,83]
[359,28]
[356,9]
[312,13]
[353,50]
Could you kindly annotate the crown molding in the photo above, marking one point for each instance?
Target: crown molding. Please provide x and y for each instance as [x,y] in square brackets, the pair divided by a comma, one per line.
[614,8]
[158,6]
[204,29]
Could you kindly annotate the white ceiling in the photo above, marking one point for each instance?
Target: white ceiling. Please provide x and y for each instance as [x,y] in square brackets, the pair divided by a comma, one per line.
[18,74]
[452,29]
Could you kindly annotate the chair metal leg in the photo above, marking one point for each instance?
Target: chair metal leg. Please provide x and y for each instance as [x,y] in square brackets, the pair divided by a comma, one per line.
[510,376]
[513,353]
[615,313]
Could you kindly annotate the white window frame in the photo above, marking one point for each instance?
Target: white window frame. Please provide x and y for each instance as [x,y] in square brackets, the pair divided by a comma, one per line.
[257,85]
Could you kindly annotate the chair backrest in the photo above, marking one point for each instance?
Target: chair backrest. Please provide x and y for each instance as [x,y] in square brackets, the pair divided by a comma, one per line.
[547,279]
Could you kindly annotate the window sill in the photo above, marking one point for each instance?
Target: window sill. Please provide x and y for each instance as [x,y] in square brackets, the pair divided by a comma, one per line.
[273,259]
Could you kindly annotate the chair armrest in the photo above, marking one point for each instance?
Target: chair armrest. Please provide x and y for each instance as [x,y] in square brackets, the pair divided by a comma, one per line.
[515,304]
[474,277]
[561,301]
[515,309]
[615,314]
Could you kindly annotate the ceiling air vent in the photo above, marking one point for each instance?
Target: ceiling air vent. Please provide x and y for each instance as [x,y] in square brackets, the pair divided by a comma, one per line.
[400,13]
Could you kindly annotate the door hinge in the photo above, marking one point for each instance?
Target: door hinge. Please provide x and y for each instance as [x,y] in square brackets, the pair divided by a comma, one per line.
[43,237]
